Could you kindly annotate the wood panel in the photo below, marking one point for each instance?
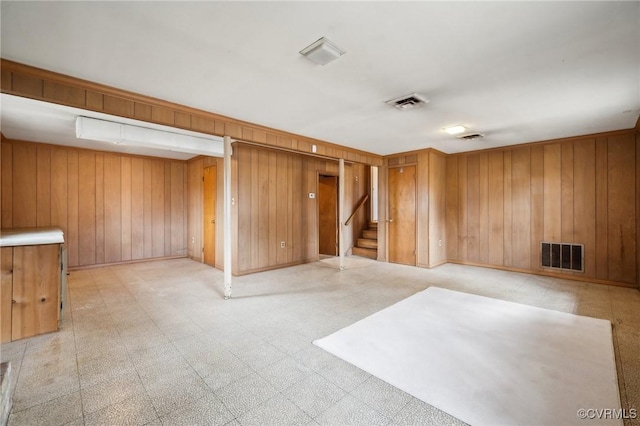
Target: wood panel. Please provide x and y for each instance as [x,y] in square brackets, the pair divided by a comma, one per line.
[167,209]
[473,208]
[157,208]
[483,193]
[6,292]
[219,162]
[537,205]
[602,209]
[437,209]
[552,193]
[177,236]
[209,215]
[452,208]
[25,191]
[245,210]
[195,199]
[507,209]
[496,208]
[100,183]
[36,280]
[255,219]
[580,190]
[621,213]
[263,200]
[59,188]
[43,186]
[102,202]
[72,239]
[7,184]
[584,218]
[521,207]
[463,206]
[138,191]
[87,208]
[113,209]
[567,193]
[125,208]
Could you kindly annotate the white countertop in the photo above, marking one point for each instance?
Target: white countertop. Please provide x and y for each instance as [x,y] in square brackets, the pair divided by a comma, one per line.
[30,236]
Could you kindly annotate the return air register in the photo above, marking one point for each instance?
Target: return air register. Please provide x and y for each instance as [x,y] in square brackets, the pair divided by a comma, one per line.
[562,256]
[406,102]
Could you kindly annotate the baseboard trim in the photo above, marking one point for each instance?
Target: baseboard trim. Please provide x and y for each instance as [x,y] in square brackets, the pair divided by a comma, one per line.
[126,262]
[547,274]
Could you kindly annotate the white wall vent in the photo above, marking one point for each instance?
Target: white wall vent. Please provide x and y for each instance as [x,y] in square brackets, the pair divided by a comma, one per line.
[406,102]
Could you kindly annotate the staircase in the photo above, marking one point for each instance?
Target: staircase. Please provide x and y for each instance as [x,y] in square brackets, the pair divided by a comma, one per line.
[367,246]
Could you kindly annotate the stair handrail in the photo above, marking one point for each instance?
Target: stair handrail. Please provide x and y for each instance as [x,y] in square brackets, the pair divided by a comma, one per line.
[358,207]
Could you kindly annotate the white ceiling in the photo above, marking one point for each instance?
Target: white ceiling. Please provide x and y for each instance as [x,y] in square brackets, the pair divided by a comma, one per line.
[37,121]
[516,71]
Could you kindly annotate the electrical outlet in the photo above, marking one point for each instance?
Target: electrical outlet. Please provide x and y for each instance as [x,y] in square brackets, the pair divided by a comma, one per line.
[439,243]
[193,240]
[283,244]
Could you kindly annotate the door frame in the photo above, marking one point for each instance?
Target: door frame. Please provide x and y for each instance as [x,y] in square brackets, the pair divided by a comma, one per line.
[213,166]
[337,176]
[387,209]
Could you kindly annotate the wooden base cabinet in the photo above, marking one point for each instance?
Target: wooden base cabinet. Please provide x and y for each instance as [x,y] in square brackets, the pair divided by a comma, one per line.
[30,291]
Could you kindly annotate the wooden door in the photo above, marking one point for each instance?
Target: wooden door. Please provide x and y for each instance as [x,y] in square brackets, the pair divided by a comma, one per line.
[6,293]
[36,276]
[402,215]
[328,215]
[209,216]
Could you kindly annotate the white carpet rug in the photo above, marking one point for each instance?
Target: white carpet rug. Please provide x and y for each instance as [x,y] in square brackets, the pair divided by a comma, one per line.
[487,361]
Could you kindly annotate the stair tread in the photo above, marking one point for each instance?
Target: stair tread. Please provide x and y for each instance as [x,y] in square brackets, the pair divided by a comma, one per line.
[370,233]
[365,252]
[367,243]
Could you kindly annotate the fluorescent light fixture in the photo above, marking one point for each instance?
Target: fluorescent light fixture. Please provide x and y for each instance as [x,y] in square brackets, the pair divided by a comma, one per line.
[126,134]
[455,130]
[322,52]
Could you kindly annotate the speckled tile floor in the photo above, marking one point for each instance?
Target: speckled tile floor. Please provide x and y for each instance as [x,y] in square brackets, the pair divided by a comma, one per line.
[155,344]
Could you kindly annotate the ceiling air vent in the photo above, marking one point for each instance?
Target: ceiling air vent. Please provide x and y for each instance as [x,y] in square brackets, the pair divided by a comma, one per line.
[471,136]
[408,101]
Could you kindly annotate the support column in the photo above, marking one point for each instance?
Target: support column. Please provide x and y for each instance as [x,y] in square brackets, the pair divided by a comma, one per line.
[227,216]
[341,178]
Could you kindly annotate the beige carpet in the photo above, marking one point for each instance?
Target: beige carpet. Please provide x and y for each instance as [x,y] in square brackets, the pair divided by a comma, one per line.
[487,361]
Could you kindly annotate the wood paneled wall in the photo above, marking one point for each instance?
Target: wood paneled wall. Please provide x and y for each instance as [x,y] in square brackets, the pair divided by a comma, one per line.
[30,82]
[431,209]
[111,207]
[500,204]
[195,197]
[271,191]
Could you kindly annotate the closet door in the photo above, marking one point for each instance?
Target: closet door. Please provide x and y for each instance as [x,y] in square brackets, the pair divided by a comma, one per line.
[402,215]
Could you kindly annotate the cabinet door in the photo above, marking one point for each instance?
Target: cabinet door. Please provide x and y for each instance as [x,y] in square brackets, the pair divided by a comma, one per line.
[6,254]
[35,290]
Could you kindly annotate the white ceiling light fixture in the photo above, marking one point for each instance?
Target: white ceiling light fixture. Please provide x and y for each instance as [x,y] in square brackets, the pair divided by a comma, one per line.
[118,133]
[322,51]
[455,130]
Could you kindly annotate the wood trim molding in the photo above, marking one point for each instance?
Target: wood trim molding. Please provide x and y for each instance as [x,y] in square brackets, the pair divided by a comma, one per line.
[546,142]
[126,262]
[39,84]
[543,273]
